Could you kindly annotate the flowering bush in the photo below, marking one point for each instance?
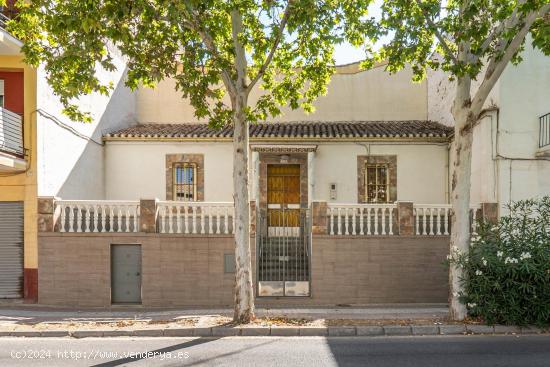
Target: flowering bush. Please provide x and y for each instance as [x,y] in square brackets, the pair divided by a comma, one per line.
[507,269]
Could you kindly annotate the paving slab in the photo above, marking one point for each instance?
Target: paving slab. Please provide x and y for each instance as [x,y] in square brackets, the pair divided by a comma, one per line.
[156,332]
[178,332]
[393,330]
[480,329]
[54,333]
[507,329]
[425,329]
[285,331]
[342,331]
[226,331]
[313,331]
[255,331]
[531,330]
[452,329]
[87,333]
[113,333]
[202,331]
[370,330]
[28,334]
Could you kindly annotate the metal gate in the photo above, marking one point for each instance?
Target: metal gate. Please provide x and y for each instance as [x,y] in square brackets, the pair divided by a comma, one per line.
[11,249]
[283,247]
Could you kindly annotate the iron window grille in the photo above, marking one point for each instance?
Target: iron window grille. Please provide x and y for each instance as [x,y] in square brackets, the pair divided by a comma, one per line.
[377,183]
[185,181]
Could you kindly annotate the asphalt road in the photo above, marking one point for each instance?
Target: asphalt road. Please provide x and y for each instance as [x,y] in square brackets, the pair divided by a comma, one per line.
[460,351]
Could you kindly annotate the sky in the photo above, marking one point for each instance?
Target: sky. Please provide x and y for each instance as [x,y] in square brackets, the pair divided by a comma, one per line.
[346,53]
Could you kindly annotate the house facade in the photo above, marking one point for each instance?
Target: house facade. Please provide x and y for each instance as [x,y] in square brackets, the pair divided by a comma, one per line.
[349,204]
[346,204]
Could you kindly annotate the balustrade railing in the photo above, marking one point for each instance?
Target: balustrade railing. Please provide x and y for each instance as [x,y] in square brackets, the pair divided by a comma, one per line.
[195,217]
[98,216]
[435,219]
[210,218]
[361,219]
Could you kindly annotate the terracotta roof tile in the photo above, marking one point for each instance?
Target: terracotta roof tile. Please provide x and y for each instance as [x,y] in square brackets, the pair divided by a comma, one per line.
[306,130]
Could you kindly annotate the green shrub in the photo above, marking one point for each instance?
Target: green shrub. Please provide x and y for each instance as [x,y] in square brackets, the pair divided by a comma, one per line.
[507,269]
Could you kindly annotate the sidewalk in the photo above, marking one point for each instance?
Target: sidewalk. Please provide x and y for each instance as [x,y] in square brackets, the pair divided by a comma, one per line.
[389,320]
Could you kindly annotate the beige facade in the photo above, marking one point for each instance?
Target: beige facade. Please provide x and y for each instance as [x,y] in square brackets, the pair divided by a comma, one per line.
[352,95]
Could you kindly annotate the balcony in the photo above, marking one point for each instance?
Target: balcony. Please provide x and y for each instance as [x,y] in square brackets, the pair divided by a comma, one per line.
[12,152]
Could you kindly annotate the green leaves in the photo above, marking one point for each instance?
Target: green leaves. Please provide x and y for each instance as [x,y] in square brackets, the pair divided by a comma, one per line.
[508,267]
[481,29]
[289,48]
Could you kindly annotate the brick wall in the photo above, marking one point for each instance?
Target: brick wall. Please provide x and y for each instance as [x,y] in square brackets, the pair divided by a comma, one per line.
[363,270]
[74,269]
[177,270]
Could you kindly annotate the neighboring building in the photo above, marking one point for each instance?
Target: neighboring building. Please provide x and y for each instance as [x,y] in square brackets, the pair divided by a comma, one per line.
[511,149]
[35,138]
[350,204]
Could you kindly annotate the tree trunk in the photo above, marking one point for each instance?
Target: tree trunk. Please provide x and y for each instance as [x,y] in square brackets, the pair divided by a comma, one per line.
[244,294]
[460,192]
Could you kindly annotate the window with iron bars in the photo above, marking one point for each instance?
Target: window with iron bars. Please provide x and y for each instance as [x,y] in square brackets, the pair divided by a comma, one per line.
[377,183]
[185,181]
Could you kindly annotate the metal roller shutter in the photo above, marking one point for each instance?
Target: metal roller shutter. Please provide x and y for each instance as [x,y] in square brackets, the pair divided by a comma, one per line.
[11,249]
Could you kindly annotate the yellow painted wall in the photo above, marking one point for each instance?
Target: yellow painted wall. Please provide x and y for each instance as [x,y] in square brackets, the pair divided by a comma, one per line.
[23,186]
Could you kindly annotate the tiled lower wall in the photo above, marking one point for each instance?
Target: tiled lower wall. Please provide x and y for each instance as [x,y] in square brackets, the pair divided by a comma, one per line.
[177,270]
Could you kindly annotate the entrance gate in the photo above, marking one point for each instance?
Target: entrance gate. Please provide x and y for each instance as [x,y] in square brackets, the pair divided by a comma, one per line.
[283,236]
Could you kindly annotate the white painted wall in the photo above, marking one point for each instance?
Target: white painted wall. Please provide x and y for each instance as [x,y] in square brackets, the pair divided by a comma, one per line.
[505,166]
[525,95]
[351,96]
[421,170]
[136,170]
[71,166]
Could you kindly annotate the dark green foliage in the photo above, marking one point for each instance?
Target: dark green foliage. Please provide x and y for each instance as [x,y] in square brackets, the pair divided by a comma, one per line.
[507,270]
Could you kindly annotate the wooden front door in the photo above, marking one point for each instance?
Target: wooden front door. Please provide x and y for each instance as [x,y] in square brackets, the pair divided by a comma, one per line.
[283,195]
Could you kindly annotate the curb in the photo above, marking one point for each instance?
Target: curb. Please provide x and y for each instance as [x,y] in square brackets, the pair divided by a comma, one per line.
[332,331]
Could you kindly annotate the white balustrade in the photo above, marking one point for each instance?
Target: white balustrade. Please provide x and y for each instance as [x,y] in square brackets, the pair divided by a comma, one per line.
[435,219]
[361,219]
[195,217]
[97,215]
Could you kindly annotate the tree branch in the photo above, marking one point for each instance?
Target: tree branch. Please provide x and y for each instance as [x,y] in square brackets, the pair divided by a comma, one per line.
[210,45]
[497,64]
[437,33]
[508,23]
[276,42]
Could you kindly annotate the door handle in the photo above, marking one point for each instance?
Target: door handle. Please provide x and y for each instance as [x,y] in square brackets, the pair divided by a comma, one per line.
[138,273]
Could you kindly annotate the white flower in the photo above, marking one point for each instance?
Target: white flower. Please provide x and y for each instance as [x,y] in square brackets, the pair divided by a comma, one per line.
[479,272]
[471,305]
[484,261]
[524,255]
[500,253]
[510,260]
